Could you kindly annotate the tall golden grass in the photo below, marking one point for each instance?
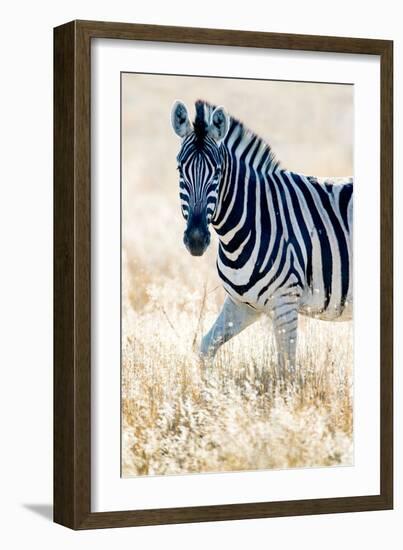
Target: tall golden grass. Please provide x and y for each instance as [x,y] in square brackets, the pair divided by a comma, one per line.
[178,417]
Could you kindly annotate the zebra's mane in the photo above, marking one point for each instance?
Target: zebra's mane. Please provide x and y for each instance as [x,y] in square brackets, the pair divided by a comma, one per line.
[200,125]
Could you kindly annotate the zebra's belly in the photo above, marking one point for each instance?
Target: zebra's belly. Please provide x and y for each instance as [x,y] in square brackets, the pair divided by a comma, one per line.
[312,300]
[312,306]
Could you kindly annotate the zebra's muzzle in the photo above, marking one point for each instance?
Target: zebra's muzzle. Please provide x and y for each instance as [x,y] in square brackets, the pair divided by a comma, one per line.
[196,240]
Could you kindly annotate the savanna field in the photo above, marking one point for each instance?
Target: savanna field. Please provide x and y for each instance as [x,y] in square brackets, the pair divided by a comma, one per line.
[177,416]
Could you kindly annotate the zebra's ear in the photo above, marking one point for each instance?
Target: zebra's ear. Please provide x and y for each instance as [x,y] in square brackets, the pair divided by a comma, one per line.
[180,119]
[219,124]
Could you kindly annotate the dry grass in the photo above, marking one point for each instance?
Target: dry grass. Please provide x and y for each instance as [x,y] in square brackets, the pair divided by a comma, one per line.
[179,418]
[176,417]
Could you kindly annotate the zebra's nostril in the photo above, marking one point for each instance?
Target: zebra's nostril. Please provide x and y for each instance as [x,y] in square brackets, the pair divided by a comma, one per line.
[196,241]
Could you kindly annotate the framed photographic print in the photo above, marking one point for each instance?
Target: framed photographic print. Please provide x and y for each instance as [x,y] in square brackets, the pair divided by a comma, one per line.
[223,316]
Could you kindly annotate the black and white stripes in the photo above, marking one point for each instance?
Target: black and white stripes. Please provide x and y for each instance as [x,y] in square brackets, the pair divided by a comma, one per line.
[285,239]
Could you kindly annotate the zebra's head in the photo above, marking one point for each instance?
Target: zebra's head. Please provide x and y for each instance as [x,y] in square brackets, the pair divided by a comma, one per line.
[200,165]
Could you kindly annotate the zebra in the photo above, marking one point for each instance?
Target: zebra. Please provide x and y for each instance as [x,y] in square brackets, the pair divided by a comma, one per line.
[285,239]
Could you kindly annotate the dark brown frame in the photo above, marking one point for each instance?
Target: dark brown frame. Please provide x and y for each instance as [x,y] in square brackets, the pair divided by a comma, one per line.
[72,267]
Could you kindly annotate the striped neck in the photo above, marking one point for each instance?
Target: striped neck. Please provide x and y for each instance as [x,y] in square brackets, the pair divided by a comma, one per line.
[247,161]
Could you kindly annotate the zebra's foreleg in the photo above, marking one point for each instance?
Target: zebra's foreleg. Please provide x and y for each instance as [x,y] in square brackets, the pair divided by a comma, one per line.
[285,324]
[233,319]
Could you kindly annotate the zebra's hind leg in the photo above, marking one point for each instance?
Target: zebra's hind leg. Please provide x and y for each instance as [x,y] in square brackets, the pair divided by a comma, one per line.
[285,324]
[232,320]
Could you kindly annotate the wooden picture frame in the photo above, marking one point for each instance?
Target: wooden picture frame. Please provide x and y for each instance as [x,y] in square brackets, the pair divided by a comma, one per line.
[72,271]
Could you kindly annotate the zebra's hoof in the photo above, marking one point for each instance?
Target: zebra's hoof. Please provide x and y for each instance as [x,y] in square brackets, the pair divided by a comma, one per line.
[206,363]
